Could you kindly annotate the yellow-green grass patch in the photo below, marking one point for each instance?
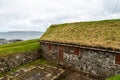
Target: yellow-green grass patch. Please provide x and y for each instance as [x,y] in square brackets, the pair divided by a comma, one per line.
[19,47]
[105,34]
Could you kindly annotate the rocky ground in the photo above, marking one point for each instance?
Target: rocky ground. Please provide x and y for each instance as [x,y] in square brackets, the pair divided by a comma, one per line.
[34,72]
[72,75]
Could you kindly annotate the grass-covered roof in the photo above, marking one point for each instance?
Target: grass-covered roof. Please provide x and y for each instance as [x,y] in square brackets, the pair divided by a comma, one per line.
[104,34]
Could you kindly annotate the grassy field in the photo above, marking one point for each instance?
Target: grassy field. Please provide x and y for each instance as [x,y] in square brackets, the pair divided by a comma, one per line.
[18,47]
[104,34]
[117,77]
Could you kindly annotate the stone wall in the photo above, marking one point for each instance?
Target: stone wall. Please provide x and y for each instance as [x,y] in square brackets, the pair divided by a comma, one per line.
[93,62]
[12,61]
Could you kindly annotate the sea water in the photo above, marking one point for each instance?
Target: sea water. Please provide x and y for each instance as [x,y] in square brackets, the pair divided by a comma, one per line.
[24,35]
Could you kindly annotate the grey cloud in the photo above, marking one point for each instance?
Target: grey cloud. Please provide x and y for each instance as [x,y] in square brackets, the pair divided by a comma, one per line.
[39,14]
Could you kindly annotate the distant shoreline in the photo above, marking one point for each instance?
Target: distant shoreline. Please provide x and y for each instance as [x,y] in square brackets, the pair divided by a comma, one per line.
[19,31]
[23,35]
[5,41]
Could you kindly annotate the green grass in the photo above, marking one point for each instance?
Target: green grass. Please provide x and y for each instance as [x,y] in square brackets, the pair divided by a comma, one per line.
[95,34]
[18,43]
[19,47]
[117,77]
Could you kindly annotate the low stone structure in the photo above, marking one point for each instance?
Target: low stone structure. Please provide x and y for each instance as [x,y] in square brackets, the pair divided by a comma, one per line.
[12,61]
[100,63]
[92,48]
[35,72]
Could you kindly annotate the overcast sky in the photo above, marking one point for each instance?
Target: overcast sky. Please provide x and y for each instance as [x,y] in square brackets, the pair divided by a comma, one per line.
[37,15]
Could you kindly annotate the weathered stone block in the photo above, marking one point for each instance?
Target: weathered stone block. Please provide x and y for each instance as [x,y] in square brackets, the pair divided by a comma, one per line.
[12,61]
